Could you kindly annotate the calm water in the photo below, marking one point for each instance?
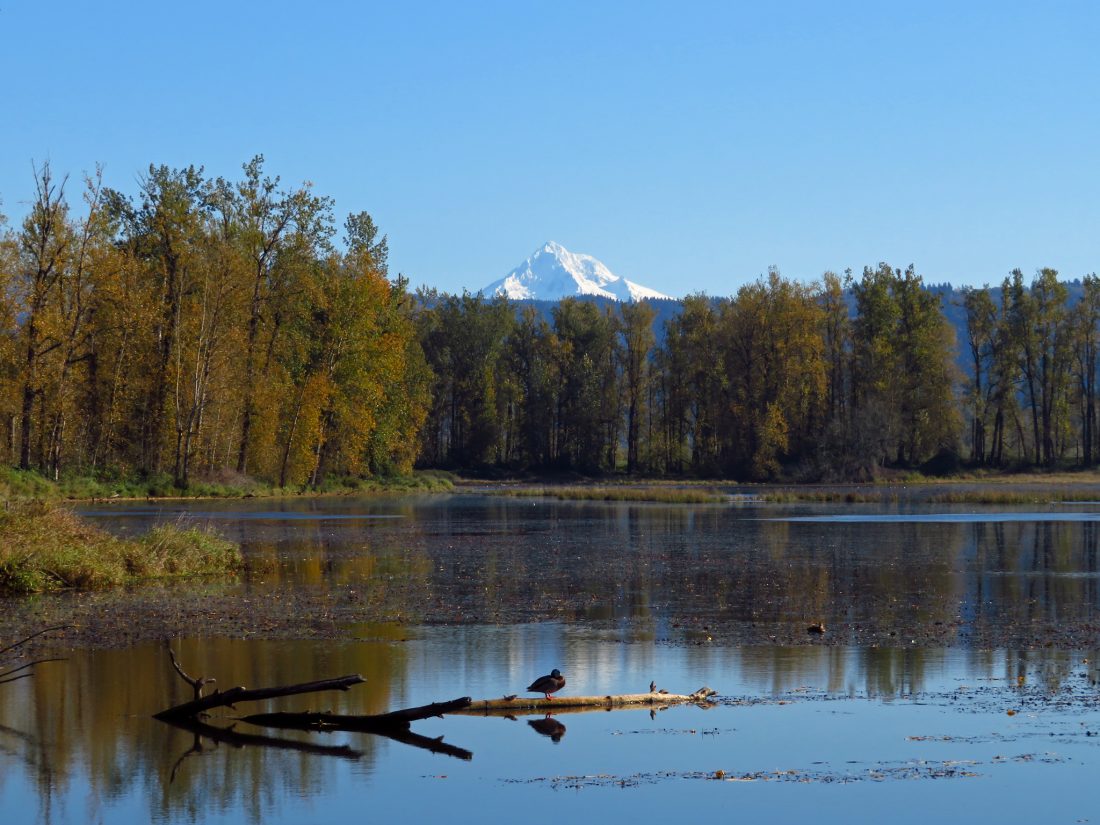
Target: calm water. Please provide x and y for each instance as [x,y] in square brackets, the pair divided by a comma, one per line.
[491,593]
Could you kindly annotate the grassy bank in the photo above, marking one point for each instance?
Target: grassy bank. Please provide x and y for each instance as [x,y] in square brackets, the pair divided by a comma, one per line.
[28,484]
[44,547]
[979,493]
[669,495]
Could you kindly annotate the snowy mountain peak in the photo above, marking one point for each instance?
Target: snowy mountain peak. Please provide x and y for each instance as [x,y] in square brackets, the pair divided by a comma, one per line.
[553,273]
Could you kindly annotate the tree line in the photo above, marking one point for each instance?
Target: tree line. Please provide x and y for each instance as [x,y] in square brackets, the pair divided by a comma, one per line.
[779,379]
[205,326]
[216,328]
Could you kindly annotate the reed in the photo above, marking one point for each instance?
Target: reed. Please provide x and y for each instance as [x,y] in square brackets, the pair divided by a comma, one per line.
[44,546]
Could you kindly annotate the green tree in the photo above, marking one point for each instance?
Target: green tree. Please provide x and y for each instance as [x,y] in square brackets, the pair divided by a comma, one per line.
[589,407]
[1039,329]
[638,339]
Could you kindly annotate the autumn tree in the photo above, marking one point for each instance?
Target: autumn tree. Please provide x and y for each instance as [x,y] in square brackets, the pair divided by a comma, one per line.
[280,232]
[776,373]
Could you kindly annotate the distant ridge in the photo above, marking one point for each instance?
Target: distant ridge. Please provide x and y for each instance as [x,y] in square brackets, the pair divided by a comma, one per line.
[553,273]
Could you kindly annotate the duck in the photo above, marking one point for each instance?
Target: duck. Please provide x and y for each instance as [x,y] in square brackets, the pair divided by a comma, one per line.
[546,685]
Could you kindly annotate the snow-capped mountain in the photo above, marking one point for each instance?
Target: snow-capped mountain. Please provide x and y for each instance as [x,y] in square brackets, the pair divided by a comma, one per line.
[554,272]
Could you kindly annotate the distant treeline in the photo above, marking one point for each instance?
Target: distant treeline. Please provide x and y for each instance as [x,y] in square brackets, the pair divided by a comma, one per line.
[780,378]
[211,328]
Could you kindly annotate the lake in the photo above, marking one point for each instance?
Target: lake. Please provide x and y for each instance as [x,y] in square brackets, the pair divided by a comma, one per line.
[957,675]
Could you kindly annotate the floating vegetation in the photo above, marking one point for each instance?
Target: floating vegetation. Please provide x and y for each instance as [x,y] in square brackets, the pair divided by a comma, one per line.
[29,484]
[876,772]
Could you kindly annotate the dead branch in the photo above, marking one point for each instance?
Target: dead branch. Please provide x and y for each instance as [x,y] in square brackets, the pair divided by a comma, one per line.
[228,698]
[197,684]
[8,673]
[23,641]
[512,704]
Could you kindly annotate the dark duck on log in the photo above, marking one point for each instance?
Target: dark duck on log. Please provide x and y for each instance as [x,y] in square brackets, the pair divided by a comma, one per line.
[548,684]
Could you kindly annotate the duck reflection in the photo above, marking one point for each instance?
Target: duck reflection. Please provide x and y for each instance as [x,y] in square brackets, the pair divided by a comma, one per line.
[548,726]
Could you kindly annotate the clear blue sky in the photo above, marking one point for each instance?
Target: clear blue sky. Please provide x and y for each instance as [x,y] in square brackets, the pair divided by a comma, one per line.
[687,145]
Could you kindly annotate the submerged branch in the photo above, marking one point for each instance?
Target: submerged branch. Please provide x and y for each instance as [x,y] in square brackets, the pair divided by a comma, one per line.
[26,639]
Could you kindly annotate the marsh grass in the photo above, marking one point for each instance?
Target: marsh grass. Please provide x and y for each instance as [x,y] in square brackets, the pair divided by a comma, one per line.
[1013,496]
[829,496]
[44,546]
[667,495]
[976,496]
[28,484]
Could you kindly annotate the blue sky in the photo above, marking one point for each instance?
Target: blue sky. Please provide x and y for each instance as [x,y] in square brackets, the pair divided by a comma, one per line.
[687,145]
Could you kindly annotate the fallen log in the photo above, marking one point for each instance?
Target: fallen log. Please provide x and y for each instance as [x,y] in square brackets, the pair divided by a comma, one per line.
[370,723]
[393,725]
[228,698]
[511,704]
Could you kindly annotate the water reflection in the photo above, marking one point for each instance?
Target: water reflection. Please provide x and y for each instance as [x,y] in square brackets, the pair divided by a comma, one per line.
[79,738]
[472,595]
[748,575]
[548,726]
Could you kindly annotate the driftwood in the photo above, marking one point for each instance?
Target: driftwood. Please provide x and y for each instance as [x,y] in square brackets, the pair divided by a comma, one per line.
[228,698]
[393,725]
[514,704]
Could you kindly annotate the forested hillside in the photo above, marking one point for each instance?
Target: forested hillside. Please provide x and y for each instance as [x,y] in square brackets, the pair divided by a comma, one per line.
[207,328]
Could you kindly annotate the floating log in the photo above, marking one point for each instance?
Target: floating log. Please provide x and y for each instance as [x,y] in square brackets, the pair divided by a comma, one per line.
[511,704]
[227,698]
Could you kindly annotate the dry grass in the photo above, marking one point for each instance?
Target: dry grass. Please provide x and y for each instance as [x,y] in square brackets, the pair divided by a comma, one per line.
[666,495]
[47,547]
